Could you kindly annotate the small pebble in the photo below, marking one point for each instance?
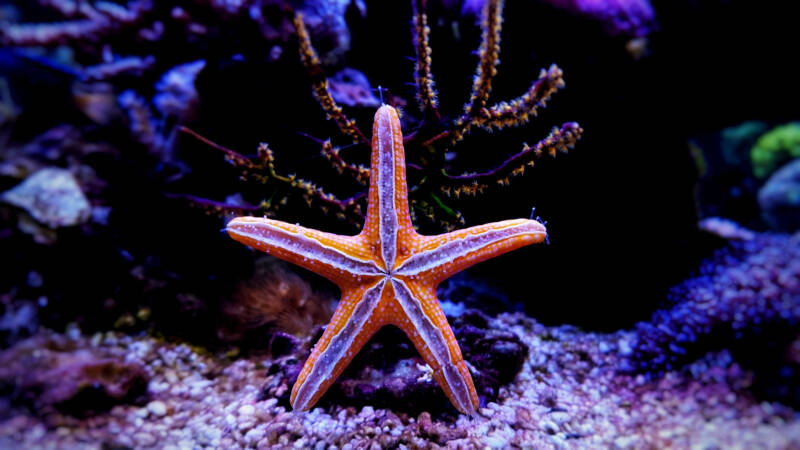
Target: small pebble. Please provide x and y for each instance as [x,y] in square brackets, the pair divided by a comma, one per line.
[144,439]
[549,427]
[247,410]
[157,408]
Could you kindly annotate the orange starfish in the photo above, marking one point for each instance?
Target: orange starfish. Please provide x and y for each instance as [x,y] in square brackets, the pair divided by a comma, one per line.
[387,273]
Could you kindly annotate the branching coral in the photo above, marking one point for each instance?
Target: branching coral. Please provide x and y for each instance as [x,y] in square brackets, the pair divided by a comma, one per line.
[434,135]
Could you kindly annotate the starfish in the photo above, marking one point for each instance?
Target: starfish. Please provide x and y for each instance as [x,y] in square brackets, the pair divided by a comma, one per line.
[388,273]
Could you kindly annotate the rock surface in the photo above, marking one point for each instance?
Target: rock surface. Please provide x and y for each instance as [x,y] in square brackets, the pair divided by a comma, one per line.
[49,373]
[52,197]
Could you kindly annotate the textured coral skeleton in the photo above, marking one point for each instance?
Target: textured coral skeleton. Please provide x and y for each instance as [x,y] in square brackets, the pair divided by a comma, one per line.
[435,136]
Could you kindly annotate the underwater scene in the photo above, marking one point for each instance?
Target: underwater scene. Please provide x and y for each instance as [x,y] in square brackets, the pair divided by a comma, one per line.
[365,224]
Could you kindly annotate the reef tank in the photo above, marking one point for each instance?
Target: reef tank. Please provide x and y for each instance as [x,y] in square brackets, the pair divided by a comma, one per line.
[363,224]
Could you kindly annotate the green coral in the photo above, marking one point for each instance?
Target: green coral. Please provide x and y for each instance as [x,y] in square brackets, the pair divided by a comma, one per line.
[774,148]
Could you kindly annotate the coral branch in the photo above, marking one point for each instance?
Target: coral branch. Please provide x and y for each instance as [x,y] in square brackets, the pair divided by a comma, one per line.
[47,33]
[521,109]
[513,113]
[231,156]
[140,120]
[101,19]
[489,57]
[559,140]
[212,207]
[69,8]
[358,172]
[426,94]
[347,208]
[320,84]
[428,210]
[122,66]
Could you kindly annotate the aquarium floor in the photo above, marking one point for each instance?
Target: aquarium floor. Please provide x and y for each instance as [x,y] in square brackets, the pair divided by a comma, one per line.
[569,394]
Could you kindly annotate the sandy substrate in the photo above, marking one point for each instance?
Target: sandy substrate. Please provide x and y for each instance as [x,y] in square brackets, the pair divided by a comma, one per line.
[569,394]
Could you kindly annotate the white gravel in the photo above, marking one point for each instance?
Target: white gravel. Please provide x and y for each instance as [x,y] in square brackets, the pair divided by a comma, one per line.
[568,395]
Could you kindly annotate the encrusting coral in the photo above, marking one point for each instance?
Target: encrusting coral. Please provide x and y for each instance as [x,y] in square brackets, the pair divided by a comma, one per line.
[433,138]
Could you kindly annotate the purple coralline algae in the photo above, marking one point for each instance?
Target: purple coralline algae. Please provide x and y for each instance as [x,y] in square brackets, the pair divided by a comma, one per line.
[633,18]
[352,88]
[748,288]
[629,18]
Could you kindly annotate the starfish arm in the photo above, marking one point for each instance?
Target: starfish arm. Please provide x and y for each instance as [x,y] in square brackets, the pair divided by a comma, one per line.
[439,257]
[388,220]
[424,322]
[338,258]
[353,323]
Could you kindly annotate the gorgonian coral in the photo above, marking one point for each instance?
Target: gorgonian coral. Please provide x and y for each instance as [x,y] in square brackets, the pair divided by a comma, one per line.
[433,138]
